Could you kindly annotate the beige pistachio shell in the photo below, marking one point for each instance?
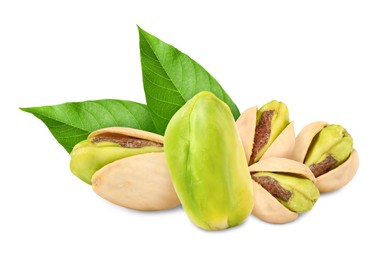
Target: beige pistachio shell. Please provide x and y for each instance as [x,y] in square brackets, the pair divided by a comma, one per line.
[283,165]
[246,125]
[340,176]
[304,138]
[282,146]
[267,207]
[128,132]
[140,182]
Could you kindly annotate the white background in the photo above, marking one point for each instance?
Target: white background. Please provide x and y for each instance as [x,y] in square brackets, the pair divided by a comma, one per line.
[327,60]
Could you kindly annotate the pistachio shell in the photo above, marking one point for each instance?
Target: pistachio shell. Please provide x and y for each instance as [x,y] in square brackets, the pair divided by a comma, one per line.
[128,132]
[246,125]
[282,146]
[283,165]
[304,138]
[268,208]
[139,182]
[340,176]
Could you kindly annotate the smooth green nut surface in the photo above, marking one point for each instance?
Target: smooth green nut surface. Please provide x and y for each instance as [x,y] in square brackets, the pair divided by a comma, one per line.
[330,147]
[272,118]
[298,194]
[87,157]
[207,163]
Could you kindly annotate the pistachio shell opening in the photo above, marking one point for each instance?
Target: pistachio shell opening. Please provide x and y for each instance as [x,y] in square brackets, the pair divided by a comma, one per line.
[281,146]
[267,207]
[335,178]
[126,131]
[298,194]
[271,119]
[107,145]
[331,147]
[140,182]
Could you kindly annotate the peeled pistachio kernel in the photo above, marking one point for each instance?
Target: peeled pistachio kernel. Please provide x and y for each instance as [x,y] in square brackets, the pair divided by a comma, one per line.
[140,182]
[108,145]
[328,151]
[282,189]
[266,132]
[207,163]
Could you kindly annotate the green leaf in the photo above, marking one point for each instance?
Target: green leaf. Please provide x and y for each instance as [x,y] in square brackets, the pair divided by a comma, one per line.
[171,78]
[72,122]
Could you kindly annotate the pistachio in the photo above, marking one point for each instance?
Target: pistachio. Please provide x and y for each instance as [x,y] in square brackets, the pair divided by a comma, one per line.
[266,132]
[295,193]
[108,145]
[282,189]
[207,163]
[140,182]
[329,148]
[328,151]
[126,167]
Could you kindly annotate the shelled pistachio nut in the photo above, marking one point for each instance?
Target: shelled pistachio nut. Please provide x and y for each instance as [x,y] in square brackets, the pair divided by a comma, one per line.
[266,132]
[282,188]
[108,145]
[328,151]
[126,167]
[207,163]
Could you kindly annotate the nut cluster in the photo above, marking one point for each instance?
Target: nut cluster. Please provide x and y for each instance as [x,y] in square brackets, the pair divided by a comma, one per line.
[219,170]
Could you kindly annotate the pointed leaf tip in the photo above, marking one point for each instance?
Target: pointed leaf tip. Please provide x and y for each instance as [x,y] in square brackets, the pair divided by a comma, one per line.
[171,78]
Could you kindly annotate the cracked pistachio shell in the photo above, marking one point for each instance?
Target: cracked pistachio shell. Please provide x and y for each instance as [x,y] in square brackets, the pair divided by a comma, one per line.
[140,182]
[343,172]
[89,155]
[207,163]
[266,206]
[282,137]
